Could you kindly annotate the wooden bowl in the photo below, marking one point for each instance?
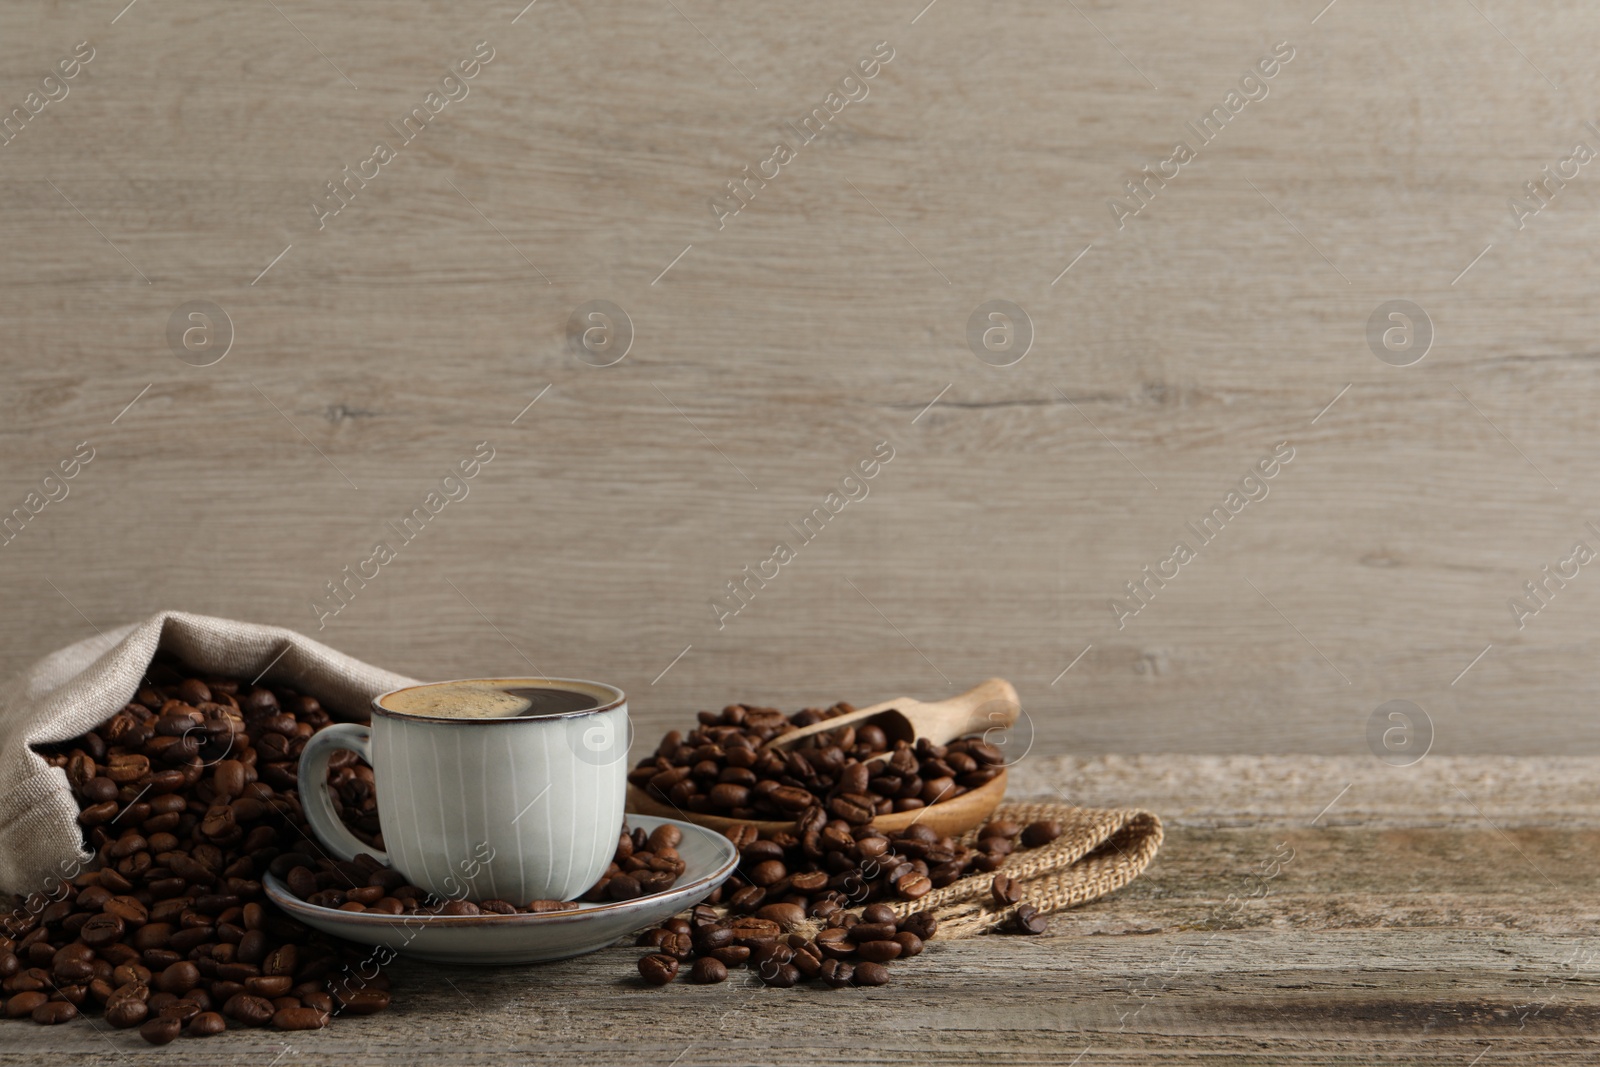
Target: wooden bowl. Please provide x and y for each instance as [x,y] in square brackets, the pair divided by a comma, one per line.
[953,817]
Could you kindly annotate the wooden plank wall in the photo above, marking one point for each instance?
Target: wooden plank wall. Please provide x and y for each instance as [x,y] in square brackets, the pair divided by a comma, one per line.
[773,349]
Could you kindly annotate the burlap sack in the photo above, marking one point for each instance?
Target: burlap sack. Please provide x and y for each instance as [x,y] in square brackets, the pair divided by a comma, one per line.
[78,688]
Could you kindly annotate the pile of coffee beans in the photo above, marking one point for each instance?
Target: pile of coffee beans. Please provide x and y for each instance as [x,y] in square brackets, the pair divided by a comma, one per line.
[853,772]
[188,796]
[790,905]
[643,864]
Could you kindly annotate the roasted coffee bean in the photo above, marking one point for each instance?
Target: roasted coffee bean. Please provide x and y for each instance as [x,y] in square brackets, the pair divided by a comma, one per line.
[746,928]
[127,1013]
[708,971]
[249,1009]
[853,808]
[159,959]
[206,1024]
[870,974]
[1004,890]
[53,1012]
[910,944]
[767,873]
[364,1002]
[658,969]
[237,972]
[715,936]
[282,960]
[836,973]
[678,946]
[539,907]
[808,959]
[1037,834]
[747,898]
[71,970]
[878,913]
[872,932]
[22,1005]
[96,814]
[1027,920]
[781,975]
[667,836]
[302,882]
[913,885]
[808,881]
[731,955]
[269,986]
[624,887]
[101,930]
[787,916]
[300,1018]
[923,923]
[131,974]
[878,951]
[770,951]
[127,908]
[161,1031]
[178,978]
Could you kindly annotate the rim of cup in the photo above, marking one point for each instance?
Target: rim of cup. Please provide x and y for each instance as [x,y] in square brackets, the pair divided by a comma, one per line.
[610,698]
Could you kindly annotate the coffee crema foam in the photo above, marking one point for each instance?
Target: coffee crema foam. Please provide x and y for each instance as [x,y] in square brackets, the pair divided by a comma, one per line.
[487,700]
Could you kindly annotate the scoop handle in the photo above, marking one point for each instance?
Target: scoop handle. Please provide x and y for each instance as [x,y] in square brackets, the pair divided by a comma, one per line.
[989,705]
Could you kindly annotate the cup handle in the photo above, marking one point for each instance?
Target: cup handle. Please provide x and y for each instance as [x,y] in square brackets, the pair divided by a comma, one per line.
[316,797]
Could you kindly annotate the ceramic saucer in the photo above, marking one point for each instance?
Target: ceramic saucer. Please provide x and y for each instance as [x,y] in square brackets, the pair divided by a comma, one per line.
[492,940]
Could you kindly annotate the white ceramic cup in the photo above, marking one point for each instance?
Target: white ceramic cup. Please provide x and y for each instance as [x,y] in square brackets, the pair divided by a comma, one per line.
[515,809]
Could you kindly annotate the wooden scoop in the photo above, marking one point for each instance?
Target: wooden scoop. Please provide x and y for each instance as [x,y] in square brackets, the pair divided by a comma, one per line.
[989,705]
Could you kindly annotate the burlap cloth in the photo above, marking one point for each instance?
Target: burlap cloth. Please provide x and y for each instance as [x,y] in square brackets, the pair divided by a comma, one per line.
[78,688]
[1100,850]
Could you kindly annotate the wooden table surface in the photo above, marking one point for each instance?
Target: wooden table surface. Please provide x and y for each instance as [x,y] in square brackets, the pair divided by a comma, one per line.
[1302,910]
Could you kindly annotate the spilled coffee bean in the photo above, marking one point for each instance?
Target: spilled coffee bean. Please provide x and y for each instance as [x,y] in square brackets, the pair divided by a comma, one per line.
[1027,920]
[658,969]
[1004,890]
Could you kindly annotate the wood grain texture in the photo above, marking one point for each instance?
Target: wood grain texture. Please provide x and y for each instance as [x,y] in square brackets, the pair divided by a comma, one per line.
[1251,939]
[823,318]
